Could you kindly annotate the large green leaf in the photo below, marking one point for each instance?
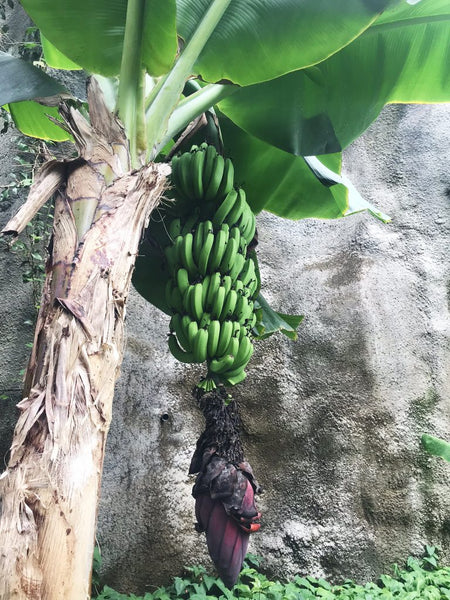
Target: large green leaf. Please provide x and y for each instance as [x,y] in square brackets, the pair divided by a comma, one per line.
[403,57]
[31,118]
[21,81]
[263,39]
[91,33]
[277,181]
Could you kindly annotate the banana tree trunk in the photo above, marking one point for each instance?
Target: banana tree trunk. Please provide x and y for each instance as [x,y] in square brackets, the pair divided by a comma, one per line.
[51,486]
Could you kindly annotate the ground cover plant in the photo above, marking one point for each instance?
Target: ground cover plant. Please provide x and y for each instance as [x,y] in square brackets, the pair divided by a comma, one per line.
[420,579]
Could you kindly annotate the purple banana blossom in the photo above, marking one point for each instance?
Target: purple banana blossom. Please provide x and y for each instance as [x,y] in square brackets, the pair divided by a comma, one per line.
[225,509]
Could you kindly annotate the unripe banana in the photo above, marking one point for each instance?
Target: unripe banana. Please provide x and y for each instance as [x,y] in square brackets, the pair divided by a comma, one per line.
[218,249]
[178,352]
[197,243]
[226,185]
[216,178]
[229,305]
[214,284]
[229,256]
[224,209]
[187,258]
[226,330]
[210,159]
[185,175]
[196,301]
[198,162]
[218,301]
[213,338]
[177,327]
[237,266]
[205,254]
[219,365]
[182,280]
[235,213]
[200,346]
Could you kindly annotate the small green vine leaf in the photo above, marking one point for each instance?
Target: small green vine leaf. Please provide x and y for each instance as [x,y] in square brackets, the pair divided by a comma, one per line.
[271,321]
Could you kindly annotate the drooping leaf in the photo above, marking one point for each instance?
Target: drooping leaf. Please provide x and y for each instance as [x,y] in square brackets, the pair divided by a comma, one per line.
[270,321]
[402,57]
[56,59]
[263,39]
[31,118]
[91,33]
[279,182]
[150,274]
[22,81]
[436,446]
[329,178]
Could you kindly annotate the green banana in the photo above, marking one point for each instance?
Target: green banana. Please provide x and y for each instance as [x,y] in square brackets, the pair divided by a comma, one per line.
[248,272]
[215,180]
[224,209]
[235,380]
[226,185]
[185,175]
[237,266]
[213,338]
[196,301]
[227,283]
[182,280]
[229,256]
[235,213]
[218,249]
[178,352]
[226,330]
[233,347]
[228,305]
[177,326]
[187,300]
[205,320]
[200,346]
[197,243]
[187,258]
[218,301]
[244,353]
[214,284]
[205,286]
[219,365]
[197,174]
[192,332]
[205,254]
[210,159]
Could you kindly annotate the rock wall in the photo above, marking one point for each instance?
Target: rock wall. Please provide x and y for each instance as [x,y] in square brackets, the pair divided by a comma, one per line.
[332,422]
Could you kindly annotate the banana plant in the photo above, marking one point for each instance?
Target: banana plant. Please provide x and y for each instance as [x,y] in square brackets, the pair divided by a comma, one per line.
[287,86]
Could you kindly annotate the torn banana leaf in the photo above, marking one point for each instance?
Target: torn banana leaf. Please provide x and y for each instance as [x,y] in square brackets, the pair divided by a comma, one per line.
[436,446]
[271,321]
[329,178]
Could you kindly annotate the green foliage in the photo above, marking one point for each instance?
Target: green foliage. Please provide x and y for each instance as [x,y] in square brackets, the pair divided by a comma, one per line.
[31,245]
[421,579]
[436,446]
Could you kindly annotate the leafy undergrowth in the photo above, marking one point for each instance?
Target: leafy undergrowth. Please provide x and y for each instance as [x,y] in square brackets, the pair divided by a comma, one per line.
[421,579]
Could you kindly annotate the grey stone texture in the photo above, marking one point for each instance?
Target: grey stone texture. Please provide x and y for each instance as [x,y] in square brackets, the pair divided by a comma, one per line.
[332,422]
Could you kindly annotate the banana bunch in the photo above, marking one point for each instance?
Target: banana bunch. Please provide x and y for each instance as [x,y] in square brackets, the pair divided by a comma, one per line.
[212,282]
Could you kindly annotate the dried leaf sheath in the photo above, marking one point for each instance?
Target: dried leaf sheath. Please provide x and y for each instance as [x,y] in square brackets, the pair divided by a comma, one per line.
[50,489]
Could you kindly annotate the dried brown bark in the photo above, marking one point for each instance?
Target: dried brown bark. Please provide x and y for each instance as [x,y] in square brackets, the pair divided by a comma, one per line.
[51,486]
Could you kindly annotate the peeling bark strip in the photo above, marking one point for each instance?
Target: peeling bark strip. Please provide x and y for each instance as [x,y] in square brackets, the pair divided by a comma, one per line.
[51,486]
